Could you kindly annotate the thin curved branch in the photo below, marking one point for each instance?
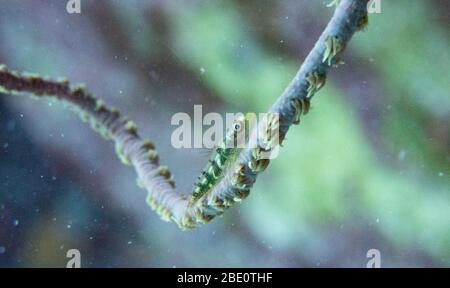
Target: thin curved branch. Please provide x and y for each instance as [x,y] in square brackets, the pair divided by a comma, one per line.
[349,17]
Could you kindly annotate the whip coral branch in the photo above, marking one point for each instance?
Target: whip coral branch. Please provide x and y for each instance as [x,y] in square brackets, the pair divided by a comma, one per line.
[349,17]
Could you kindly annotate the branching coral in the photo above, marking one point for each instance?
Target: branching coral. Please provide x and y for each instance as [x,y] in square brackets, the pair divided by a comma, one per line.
[349,17]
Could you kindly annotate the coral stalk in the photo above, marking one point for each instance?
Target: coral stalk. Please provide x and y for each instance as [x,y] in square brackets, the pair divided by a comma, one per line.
[349,17]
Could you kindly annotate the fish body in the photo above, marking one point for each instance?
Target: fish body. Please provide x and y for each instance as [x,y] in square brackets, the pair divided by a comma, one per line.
[221,157]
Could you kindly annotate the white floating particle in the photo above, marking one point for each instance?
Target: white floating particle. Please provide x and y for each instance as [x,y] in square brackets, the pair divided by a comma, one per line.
[402,155]
[202,70]
[440,174]
[16,222]
[2,249]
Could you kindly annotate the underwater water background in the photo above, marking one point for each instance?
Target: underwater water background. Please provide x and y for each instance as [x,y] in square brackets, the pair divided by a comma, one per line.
[368,168]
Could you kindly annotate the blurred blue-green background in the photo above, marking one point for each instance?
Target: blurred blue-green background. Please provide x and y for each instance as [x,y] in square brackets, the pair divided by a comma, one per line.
[368,168]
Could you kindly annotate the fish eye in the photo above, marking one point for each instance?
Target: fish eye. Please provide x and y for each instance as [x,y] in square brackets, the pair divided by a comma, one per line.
[237,126]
